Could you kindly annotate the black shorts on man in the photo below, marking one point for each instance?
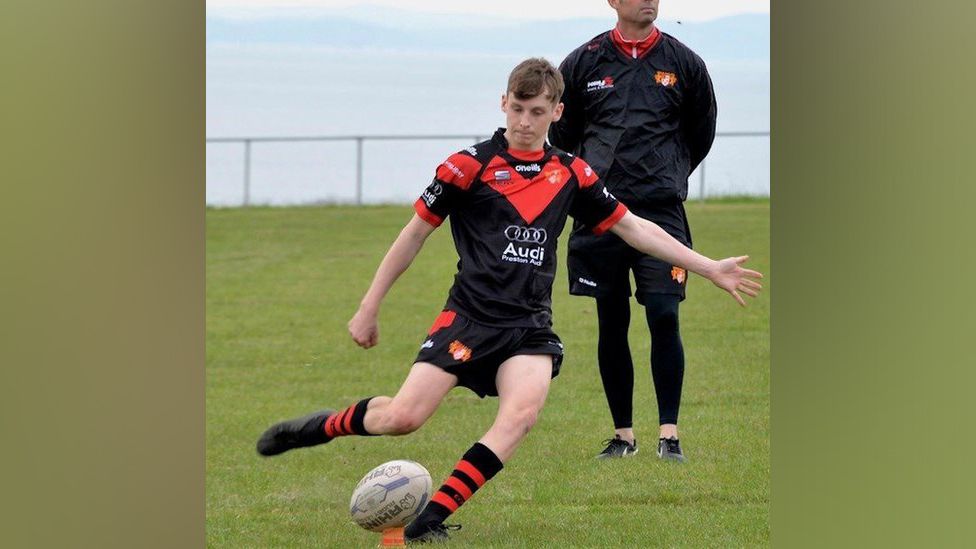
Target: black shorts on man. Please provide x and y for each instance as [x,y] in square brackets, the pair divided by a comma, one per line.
[473,352]
[600,265]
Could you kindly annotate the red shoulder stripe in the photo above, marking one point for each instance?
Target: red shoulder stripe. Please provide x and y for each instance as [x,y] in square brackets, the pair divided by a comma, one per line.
[584,173]
[458,170]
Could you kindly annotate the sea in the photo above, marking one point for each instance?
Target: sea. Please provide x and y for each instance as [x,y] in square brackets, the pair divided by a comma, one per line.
[281,90]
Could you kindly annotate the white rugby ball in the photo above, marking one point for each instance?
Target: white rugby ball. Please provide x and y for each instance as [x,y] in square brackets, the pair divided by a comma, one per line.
[390,495]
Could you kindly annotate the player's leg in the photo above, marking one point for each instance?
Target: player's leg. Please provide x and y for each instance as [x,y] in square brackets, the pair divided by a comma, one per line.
[413,404]
[616,371]
[417,399]
[599,267]
[660,289]
[667,368]
[523,383]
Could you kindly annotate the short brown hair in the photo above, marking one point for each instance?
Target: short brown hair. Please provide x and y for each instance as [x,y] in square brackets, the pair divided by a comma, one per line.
[534,76]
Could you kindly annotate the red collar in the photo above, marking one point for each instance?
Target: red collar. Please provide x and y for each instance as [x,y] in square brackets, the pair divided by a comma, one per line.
[634,48]
[527,156]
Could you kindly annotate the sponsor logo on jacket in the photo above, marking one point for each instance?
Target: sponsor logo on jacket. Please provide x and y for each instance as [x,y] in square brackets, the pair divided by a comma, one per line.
[604,84]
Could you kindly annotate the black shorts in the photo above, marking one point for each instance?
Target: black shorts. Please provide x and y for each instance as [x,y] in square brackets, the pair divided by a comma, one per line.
[473,352]
[599,266]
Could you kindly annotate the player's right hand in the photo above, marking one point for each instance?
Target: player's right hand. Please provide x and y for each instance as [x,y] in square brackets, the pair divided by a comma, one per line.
[733,278]
[364,329]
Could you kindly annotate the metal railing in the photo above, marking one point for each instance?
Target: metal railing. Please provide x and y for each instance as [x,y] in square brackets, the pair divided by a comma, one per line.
[359,139]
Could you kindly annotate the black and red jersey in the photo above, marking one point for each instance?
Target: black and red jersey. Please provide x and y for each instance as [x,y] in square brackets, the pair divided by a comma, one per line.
[507,209]
[642,114]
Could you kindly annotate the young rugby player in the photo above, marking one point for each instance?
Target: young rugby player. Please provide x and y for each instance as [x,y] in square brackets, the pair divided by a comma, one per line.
[508,199]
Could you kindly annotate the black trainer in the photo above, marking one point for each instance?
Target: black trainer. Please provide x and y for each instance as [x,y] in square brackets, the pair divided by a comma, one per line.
[617,448]
[670,449]
[295,433]
[430,532]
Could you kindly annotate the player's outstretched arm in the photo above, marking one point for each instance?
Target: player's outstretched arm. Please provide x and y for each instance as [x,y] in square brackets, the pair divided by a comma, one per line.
[727,274]
[363,326]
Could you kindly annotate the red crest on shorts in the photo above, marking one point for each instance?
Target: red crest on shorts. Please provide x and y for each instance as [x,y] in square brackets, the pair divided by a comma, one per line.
[459,351]
[678,274]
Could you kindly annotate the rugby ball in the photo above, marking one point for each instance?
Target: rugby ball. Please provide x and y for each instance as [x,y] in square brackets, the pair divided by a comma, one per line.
[390,495]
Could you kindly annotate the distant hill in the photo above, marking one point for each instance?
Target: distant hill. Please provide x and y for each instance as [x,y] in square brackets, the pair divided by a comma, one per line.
[741,37]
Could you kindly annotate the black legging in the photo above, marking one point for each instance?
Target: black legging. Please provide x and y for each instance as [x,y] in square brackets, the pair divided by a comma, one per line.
[617,368]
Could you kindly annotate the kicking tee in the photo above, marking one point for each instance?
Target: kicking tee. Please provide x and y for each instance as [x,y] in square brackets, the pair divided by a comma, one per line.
[507,209]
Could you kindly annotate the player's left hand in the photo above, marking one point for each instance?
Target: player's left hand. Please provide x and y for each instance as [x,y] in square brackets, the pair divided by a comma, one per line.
[364,329]
[731,277]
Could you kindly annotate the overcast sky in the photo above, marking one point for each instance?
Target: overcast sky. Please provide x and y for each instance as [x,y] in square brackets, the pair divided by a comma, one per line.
[690,10]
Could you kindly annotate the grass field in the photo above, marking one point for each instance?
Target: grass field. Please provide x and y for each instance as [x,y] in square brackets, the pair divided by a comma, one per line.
[281,285]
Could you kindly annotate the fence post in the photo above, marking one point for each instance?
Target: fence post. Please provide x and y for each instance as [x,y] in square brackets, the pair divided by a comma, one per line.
[359,171]
[701,183]
[247,172]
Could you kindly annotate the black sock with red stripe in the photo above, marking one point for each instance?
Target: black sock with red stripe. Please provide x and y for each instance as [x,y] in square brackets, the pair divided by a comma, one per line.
[477,466]
[348,421]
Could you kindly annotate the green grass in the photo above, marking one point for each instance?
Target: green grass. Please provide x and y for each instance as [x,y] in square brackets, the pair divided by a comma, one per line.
[281,285]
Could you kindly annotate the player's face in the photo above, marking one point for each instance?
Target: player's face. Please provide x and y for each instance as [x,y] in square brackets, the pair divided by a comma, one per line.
[527,120]
[636,12]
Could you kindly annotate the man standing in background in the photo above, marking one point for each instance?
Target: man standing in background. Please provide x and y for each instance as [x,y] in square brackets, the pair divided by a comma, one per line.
[640,109]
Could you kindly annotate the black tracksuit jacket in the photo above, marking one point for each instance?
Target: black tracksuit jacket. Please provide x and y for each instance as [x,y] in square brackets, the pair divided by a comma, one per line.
[643,124]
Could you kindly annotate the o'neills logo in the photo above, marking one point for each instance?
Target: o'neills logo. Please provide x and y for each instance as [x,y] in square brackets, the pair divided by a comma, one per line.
[525,245]
[528,168]
[594,85]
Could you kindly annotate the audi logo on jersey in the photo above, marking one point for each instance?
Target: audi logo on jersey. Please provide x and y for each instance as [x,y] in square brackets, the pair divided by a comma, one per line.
[525,245]
[431,193]
[529,235]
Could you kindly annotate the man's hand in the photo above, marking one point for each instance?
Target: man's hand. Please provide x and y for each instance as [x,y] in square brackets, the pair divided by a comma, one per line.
[364,329]
[731,277]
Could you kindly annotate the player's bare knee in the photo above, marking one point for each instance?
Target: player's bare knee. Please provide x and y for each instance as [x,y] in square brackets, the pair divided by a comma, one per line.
[522,420]
[379,402]
[402,422]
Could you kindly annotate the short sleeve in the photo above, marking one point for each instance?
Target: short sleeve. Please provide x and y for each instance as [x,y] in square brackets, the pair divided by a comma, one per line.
[593,205]
[449,188]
